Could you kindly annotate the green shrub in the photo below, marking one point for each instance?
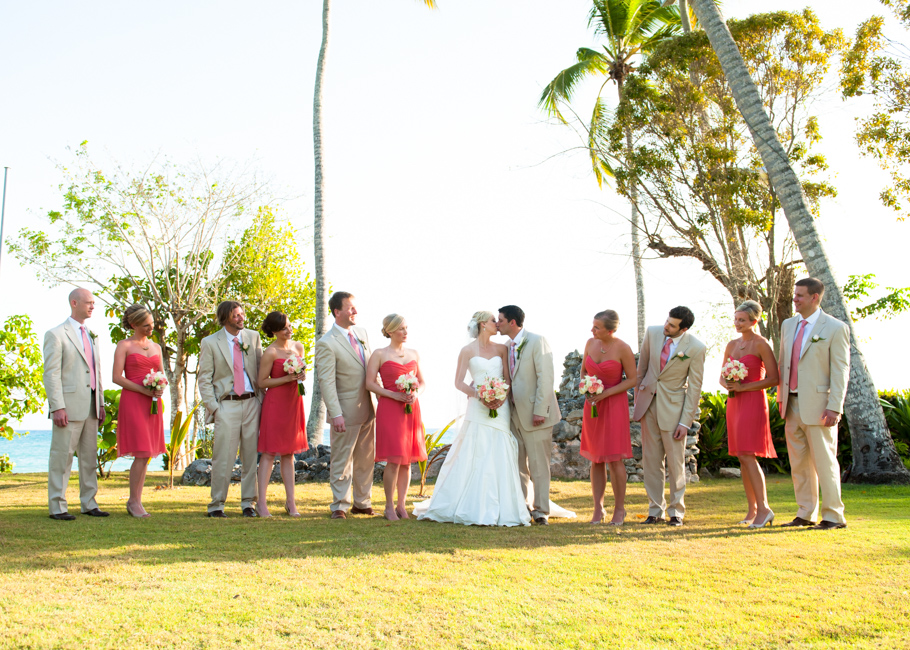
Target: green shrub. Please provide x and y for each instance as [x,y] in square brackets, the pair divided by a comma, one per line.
[6,465]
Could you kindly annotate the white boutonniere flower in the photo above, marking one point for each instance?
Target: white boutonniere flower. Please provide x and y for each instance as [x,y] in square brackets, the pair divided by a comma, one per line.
[244,347]
[519,349]
[817,338]
[682,356]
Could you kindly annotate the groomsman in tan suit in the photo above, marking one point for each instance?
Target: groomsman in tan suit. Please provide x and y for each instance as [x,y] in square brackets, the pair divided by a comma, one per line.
[228,369]
[72,381]
[341,359]
[672,365]
[534,408]
[814,368]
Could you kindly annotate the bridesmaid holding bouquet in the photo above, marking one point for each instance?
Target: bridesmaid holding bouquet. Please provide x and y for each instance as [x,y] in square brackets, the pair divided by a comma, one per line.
[399,428]
[140,425]
[282,425]
[605,437]
[748,428]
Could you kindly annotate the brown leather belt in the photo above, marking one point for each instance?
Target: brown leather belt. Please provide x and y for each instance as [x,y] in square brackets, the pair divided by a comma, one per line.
[238,397]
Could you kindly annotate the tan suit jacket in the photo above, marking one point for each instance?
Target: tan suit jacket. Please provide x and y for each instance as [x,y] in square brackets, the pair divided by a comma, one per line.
[824,367]
[532,384]
[66,373]
[677,387]
[216,368]
[342,376]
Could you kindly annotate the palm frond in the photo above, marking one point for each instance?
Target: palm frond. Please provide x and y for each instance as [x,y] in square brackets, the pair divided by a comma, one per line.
[600,163]
[431,4]
[563,85]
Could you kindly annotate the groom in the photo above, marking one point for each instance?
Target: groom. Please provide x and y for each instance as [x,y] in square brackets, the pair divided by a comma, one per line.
[535,410]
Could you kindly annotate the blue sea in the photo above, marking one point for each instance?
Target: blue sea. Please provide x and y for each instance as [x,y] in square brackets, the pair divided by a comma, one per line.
[29,453]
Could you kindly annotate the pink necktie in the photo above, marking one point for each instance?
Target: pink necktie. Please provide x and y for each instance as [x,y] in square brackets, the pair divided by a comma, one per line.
[239,387]
[512,358]
[665,353]
[357,347]
[794,356]
[89,354]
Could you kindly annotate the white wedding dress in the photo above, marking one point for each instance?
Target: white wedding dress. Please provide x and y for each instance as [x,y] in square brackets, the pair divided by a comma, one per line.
[479,482]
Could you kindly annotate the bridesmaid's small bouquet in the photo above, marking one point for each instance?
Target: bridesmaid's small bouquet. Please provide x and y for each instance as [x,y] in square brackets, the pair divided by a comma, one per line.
[591,386]
[155,380]
[492,390]
[294,366]
[408,384]
[734,370]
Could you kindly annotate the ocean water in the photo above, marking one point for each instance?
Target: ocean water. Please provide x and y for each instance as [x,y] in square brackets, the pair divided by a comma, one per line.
[29,453]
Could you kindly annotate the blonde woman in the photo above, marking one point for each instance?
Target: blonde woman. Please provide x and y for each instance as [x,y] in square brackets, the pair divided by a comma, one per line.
[399,434]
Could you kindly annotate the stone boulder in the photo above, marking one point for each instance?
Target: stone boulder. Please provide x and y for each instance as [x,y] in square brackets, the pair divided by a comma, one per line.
[729,472]
[567,461]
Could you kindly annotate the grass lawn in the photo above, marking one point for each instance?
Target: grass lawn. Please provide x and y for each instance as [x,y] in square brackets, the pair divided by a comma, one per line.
[182,580]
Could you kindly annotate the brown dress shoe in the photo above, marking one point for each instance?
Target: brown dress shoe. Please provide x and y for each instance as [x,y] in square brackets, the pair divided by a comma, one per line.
[824,524]
[361,511]
[338,514]
[797,523]
[653,520]
[217,514]
[63,516]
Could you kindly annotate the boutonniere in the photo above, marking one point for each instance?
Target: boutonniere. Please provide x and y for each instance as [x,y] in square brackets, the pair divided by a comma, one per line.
[817,338]
[92,335]
[519,349]
[244,347]
[362,342]
[682,356]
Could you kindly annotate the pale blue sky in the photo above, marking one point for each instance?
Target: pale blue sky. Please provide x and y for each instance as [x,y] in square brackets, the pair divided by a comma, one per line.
[445,193]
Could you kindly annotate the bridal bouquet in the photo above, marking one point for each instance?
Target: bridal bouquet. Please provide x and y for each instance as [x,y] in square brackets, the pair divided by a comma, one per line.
[408,384]
[294,366]
[734,370]
[492,390]
[591,386]
[156,380]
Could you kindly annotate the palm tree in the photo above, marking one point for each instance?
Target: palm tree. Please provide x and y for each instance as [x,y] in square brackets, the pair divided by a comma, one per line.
[631,28]
[874,458]
[317,408]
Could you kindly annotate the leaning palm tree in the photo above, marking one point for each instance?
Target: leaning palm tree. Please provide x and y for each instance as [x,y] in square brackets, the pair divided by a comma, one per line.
[631,29]
[874,458]
[317,408]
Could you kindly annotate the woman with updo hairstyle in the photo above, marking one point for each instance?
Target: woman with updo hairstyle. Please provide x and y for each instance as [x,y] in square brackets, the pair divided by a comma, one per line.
[399,433]
[748,428]
[282,421]
[140,433]
[606,439]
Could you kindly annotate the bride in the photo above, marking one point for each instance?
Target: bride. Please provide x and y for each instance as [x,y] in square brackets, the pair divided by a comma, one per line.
[479,482]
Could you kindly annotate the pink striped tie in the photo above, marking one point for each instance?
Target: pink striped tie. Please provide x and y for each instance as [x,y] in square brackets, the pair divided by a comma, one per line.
[357,347]
[794,356]
[512,358]
[665,354]
[239,386]
[90,355]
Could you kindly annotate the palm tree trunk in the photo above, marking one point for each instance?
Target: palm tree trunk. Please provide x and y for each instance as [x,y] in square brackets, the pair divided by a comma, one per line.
[317,408]
[636,243]
[684,17]
[874,457]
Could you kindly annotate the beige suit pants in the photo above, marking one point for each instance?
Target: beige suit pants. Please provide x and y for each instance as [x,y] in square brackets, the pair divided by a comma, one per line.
[813,464]
[353,458]
[236,427]
[76,437]
[660,450]
[535,449]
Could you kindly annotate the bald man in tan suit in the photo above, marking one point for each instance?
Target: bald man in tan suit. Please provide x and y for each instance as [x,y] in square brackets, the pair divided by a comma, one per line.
[75,397]
[814,369]
[671,367]
[341,358]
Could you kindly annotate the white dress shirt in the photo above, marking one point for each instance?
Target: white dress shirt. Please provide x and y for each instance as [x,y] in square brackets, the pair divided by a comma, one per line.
[517,341]
[807,330]
[90,353]
[247,384]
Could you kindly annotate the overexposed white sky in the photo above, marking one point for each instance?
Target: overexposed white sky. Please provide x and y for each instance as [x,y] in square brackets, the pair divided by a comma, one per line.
[446,190]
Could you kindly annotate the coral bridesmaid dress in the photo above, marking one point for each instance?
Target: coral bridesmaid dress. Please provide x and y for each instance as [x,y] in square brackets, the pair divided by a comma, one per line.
[606,438]
[399,435]
[282,423]
[748,428]
[139,433]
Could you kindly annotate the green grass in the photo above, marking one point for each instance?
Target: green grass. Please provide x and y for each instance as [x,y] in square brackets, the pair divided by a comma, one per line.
[182,580]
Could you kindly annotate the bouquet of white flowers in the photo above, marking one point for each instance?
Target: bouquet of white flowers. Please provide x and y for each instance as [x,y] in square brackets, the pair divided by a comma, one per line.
[591,386]
[492,390]
[294,366]
[408,384]
[155,380]
[734,370]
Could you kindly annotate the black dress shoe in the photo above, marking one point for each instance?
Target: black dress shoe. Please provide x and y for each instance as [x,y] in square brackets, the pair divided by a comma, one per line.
[653,520]
[675,521]
[824,524]
[218,514]
[94,512]
[63,516]
[797,523]
[250,512]
[541,521]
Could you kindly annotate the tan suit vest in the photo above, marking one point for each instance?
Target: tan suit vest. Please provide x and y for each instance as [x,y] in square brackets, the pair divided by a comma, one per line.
[66,373]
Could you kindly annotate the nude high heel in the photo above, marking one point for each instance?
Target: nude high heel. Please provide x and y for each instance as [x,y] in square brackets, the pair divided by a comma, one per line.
[769,521]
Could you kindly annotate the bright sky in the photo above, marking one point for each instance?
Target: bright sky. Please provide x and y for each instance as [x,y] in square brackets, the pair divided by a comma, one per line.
[446,190]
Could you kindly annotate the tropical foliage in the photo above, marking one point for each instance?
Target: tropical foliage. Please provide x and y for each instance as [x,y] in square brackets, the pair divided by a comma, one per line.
[107,433]
[21,367]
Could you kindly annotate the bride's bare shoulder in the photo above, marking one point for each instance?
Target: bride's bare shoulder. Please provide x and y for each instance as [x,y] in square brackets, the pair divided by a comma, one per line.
[467,350]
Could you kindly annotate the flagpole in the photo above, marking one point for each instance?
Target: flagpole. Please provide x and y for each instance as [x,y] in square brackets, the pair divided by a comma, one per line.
[3,211]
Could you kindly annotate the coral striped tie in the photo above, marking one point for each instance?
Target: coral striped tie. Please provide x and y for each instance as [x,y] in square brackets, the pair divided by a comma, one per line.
[665,353]
[794,356]
[239,386]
